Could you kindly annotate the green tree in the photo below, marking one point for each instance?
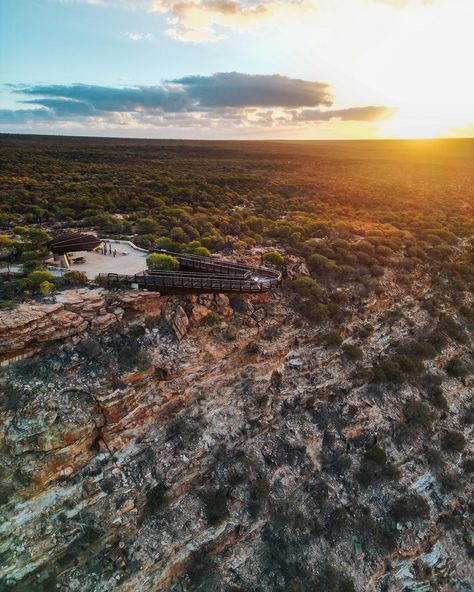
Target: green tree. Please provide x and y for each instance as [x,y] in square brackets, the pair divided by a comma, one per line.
[39,276]
[162,261]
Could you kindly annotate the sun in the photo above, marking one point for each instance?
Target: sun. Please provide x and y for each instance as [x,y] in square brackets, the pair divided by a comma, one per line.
[424,121]
[420,66]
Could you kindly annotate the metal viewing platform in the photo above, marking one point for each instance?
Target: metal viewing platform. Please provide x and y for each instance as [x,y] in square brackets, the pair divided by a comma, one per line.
[201,275]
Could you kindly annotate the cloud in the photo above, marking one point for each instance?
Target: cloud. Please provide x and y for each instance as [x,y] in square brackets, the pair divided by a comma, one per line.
[201,20]
[138,36]
[222,99]
[351,114]
[165,97]
[233,89]
[211,20]
[191,93]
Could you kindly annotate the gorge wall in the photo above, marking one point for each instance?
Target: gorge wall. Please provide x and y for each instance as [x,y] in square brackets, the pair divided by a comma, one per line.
[155,442]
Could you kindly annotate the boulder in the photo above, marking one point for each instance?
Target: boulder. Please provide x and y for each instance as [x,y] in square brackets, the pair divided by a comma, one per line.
[198,314]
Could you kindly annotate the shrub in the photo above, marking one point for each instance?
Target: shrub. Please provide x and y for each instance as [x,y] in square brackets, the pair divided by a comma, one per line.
[411,507]
[132,357]
[468,465]
[315,312]
[136,330]
[409,365]
[339,297]
[215,502]
[434,458]
[156,261]
[453,441]
[452,329]
[391,472]
[292,518]
[6,492]
[253,348]
[333,338]
[202,571]
[39,276]
[76,278]
[274,259]
[47,288]
[424,349]
[457,368]
[184,431]
[260,489]
[436,396]
[353,351]
[364,331]
[104,281]
[320,263]
[30,265]
[331,580]
[450,481]
[388,371]
[375,467]
[377,455]
[202,252]
[89,348]
[468,416]
[212,319]
[306,287]
[157,497]
[418,413]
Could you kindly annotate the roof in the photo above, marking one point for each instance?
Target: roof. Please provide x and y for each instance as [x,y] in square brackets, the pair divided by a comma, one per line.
[73,241]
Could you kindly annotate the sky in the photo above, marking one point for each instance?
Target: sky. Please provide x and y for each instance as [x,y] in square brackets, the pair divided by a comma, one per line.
[238,69]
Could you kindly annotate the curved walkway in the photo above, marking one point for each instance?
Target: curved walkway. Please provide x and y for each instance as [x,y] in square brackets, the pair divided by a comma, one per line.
[202,274]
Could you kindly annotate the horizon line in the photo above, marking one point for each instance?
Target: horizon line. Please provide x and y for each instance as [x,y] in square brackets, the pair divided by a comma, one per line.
[148,139]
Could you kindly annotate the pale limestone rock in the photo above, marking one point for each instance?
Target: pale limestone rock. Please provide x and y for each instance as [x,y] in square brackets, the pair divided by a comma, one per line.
[103,322]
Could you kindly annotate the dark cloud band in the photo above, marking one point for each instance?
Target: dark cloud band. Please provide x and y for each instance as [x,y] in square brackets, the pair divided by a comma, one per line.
[224,96]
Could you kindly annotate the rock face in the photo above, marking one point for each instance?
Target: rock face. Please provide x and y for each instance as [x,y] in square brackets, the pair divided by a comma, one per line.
[144,448]
[29,327]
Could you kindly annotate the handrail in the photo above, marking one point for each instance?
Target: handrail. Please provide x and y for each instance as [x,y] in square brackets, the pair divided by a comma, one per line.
[203,275]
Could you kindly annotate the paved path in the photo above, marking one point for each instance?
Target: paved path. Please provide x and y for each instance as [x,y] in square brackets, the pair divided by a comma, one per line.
[128,261]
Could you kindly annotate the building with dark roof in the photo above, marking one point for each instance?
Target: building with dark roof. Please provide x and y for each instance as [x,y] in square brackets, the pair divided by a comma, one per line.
[70,242]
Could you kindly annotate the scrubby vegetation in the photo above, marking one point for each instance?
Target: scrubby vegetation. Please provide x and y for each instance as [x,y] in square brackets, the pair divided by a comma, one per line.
[328,448]
[217,197]
[156,261]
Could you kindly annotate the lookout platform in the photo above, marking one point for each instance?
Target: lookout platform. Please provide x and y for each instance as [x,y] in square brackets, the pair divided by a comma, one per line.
[201,275]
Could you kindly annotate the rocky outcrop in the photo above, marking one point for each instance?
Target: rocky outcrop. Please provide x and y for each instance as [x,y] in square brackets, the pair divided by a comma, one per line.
[178,320]
[26,329]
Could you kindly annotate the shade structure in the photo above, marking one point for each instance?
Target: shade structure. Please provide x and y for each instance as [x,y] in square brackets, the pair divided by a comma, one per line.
[70,242]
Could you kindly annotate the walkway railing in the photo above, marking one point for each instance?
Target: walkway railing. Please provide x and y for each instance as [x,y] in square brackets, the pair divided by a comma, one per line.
[202,274]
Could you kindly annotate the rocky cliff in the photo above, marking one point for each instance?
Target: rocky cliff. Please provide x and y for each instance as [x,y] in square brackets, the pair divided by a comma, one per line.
[201,443]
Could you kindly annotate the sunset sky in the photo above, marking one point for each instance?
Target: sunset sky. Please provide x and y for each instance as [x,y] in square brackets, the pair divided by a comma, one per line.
[305,69]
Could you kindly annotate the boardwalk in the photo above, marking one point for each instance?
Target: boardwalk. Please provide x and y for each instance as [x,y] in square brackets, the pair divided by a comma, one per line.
[202,274]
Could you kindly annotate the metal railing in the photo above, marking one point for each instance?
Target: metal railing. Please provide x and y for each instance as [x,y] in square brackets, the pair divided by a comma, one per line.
[202,274]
